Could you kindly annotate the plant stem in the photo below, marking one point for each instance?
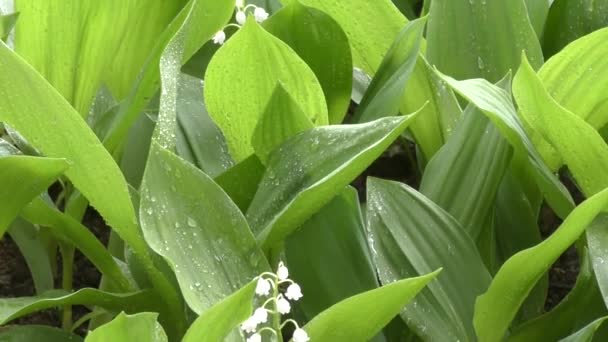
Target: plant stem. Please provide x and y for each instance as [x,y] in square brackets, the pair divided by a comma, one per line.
[67,272]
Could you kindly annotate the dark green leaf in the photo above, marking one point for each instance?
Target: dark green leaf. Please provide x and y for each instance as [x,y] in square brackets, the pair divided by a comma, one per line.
[7,22]
[24,333]
[241,181]
[124,328]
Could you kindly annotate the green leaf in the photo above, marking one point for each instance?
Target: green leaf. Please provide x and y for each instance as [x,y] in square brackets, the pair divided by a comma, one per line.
[217,322]
[570,19]
[497,104]
[22,179]
[383,96]
[35,252]
[199,140]
[308,170]
[237,89]
[371,27]
[241,181]
[124,328]
[488,46]
[587,333]
[444,310]
[57,130]
[67,228]
[190,221]
[12,308]
[496,308]
[537,12]
[582,305]
[281,119]
[7,22]
[360,317]
[21,333]
[574,78]
[334,241]
[320,41]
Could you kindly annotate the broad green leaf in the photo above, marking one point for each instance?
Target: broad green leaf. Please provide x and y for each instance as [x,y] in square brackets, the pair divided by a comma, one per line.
[282,118]
[12,308]
[587,159]
[574,78]
[57,130]
[472,38]
[582,305]
[189,220]
[569,20]
[217,322]
[75,51]
[22,333]
[537,12]
[371,27]
[334,241]
[464,176]
[360,317]
[309,169]
[237,89]
[587,333]
[7,22]
[241,181]
[497,104]
[125,328]
[22,179]
[320,41]
[597,240]
[67,228]
[193,26]
[496,308]
[136,149]
[35,252]
[199,140]
[444,310]
[383,96]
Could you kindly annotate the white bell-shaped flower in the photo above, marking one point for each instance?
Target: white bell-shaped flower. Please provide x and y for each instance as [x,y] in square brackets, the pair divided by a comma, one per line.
[260,14]
[250,325]
[241,17]
[260,315]
[282,271]
[255,338]
[283,306]
[294,292]
[219,37]
[263,287]
[300,335]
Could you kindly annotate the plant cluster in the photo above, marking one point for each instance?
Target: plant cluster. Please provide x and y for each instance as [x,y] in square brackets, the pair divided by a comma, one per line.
[223,142]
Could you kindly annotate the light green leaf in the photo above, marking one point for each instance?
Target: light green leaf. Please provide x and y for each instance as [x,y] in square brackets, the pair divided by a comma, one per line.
[199,140]
[498,106]
[383,96]
[320,41]
[217,322]
[22,179]
[281,119]
[569,20]
[537,12]
[490,36]
[334,241]
[12,308]
[237,89]
[21,333]
[360,317]
[124,328]
[371,27]
[189,220]
[575,78]
[308,170]
[444,310]
[496,308]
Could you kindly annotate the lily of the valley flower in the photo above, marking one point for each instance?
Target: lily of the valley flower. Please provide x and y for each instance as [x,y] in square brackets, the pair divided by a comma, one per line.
[260,14]
[294,292]
[219,37]
[250,325]
[282,271]
[283,306]
[300,335]
[260,315]
[263,287]
[240,3]
[241,17]
[255,338]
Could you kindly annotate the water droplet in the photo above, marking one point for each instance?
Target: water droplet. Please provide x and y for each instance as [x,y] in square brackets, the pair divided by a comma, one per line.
[191,222]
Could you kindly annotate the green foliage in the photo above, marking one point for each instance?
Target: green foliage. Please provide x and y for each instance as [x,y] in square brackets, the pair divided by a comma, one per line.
[227,174]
